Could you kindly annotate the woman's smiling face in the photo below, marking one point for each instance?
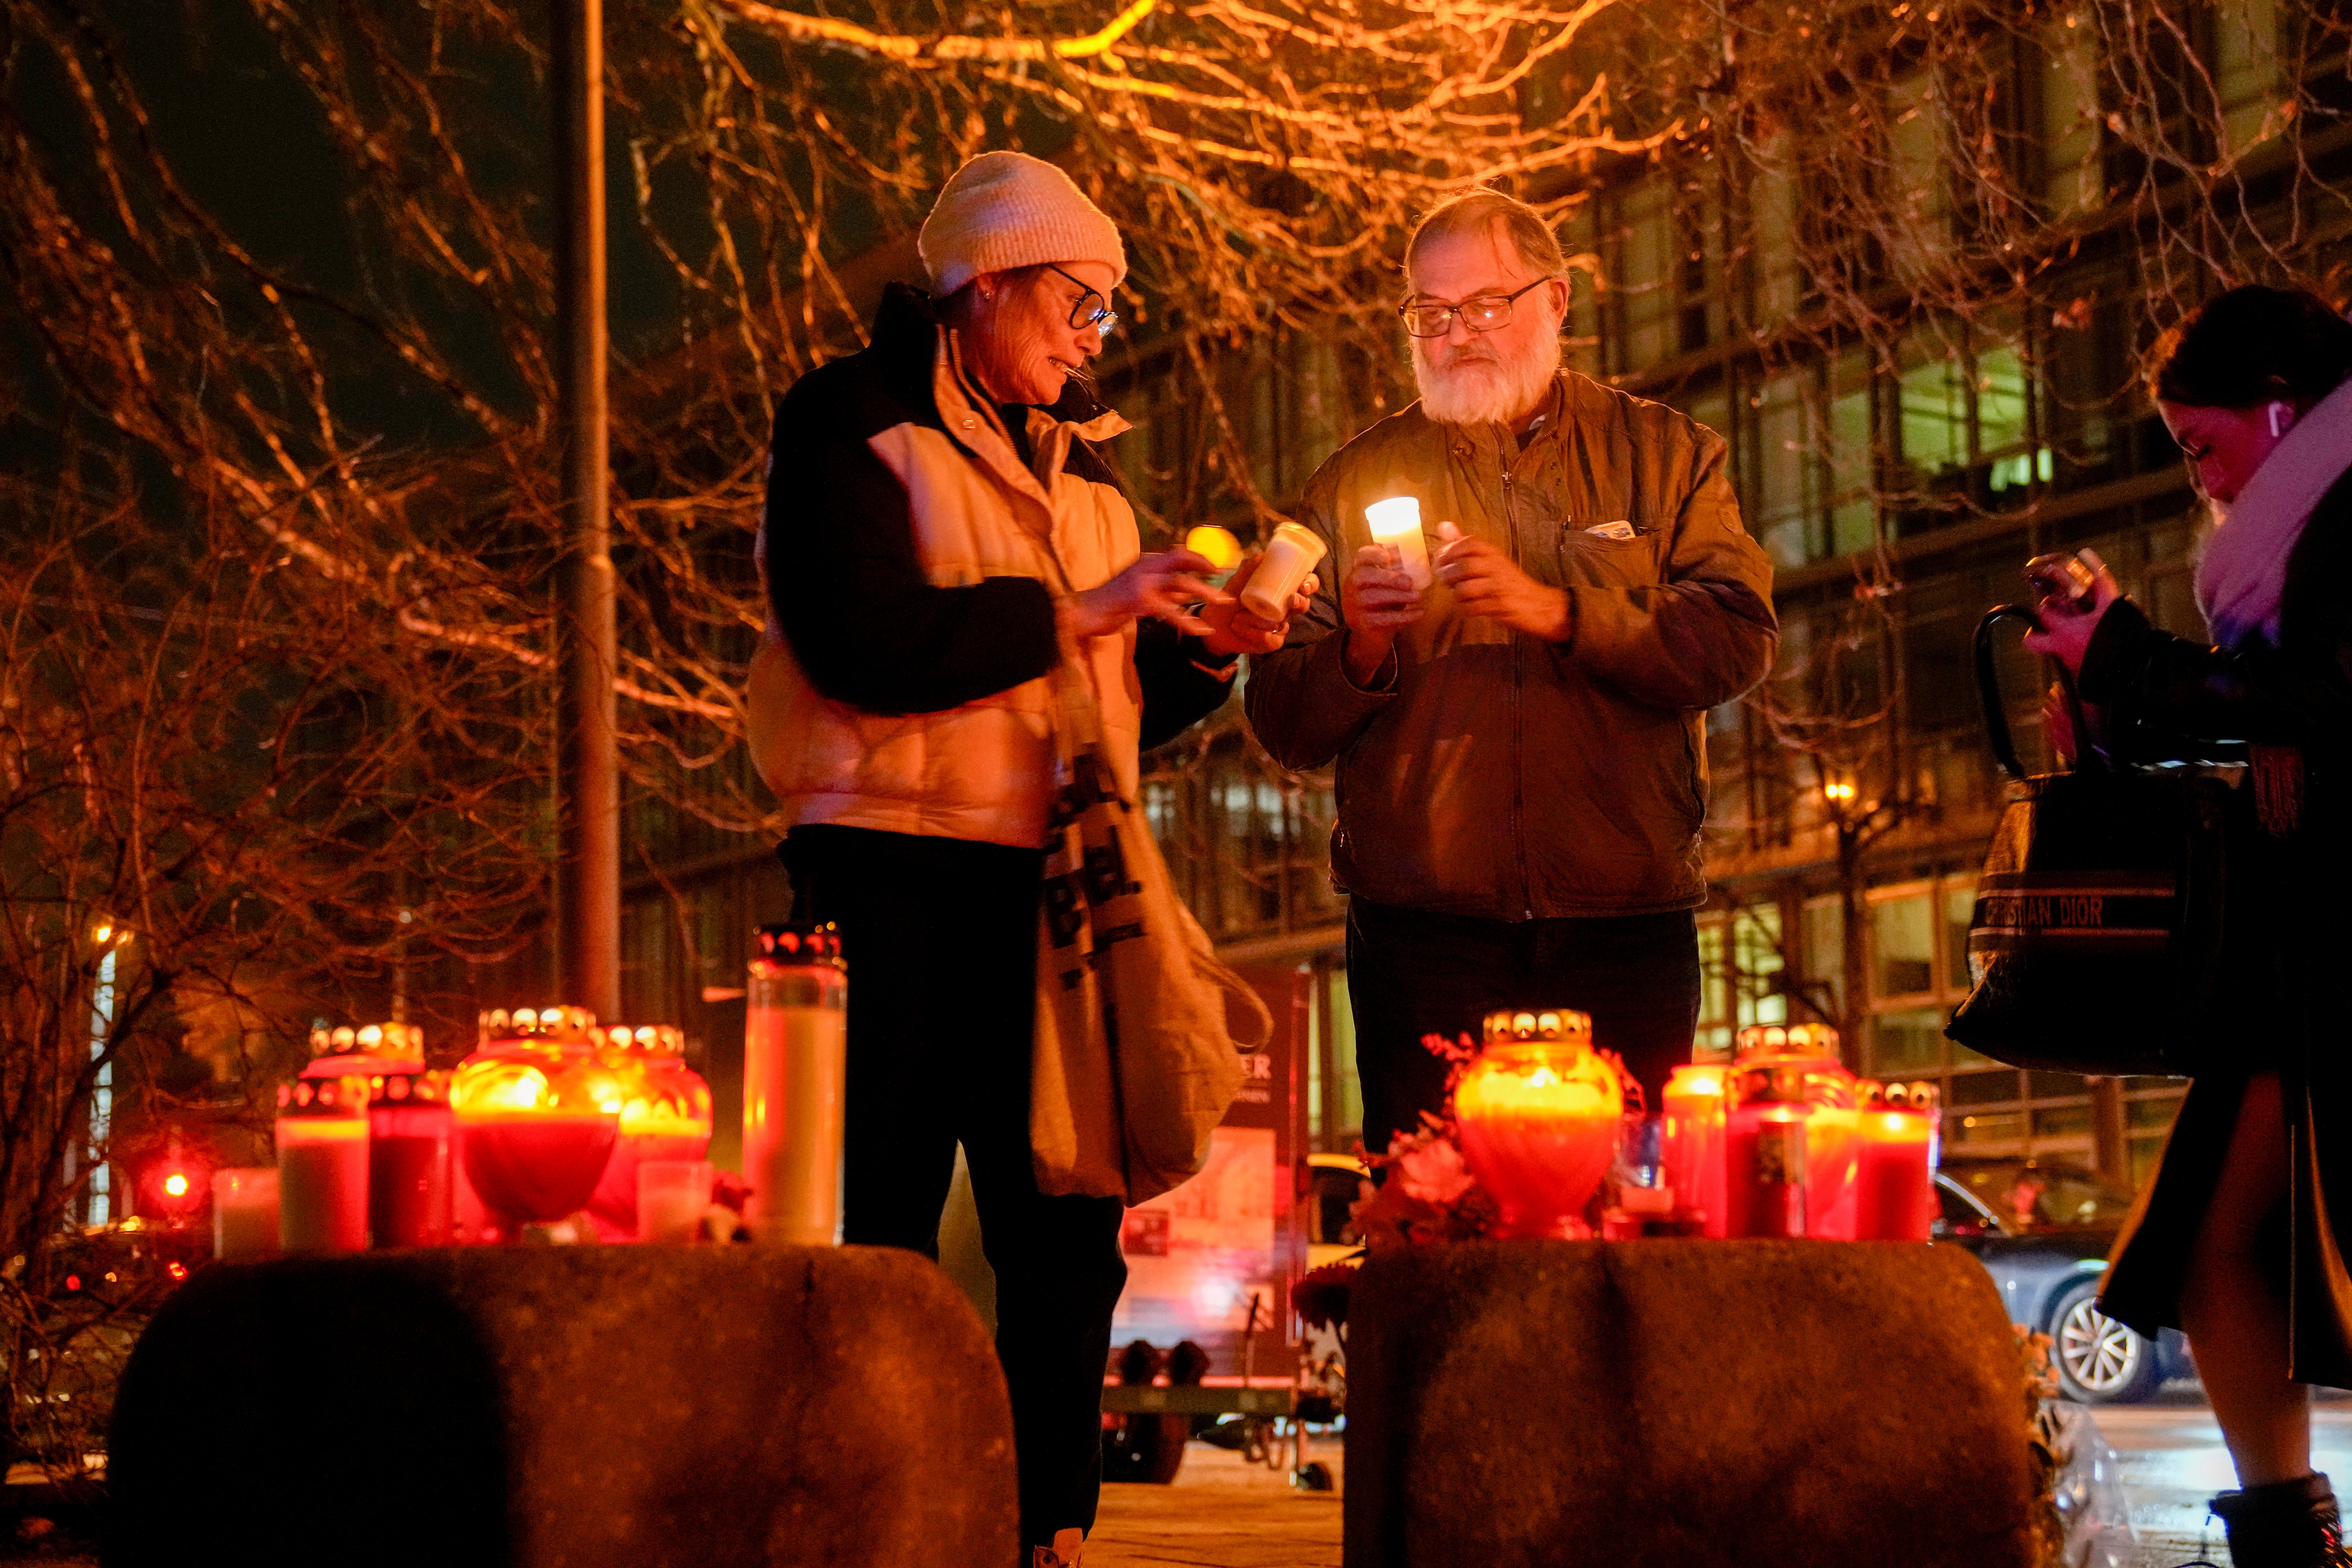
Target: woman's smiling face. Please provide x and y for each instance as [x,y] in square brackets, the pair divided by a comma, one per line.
[1020,343]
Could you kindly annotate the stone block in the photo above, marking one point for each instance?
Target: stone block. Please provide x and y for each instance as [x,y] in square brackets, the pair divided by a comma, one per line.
[1684,1404]
[566,1407]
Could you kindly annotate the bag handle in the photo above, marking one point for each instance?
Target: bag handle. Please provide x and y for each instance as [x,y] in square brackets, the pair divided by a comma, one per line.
[2087,758]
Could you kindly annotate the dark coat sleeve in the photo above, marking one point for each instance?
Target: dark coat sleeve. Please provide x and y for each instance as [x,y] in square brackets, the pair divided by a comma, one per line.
[2298,694]
[848,585]
[1178,690]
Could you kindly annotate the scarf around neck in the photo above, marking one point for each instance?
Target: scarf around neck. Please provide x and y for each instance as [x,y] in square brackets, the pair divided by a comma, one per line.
[2242,574]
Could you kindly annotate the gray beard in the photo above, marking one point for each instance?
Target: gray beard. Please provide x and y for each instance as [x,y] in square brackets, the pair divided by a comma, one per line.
[1488,393]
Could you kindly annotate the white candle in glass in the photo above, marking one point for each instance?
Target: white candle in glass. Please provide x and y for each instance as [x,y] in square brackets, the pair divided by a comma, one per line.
[1397,521]
[244,1214]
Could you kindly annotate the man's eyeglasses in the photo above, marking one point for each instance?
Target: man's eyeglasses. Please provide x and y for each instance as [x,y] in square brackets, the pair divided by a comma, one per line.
[1482,314]
[1092,310]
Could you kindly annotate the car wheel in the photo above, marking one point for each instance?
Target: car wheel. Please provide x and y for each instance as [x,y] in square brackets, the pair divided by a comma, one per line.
[2099,1360]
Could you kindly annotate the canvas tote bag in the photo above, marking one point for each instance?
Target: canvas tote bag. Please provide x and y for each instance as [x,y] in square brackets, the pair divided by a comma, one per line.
[2099,941]
[1140,1031]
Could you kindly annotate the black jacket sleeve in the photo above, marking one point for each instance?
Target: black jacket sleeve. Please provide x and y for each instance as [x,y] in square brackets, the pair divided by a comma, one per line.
[848,585]
[1178,692]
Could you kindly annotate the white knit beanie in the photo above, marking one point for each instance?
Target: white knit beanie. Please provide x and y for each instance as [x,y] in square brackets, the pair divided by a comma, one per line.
[1003,210]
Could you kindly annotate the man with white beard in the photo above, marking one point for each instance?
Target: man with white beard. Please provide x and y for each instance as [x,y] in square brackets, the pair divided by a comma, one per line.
[1522,767]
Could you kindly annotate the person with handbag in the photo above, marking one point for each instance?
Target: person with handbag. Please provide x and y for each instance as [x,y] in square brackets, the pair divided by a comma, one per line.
[940,544]
[2237,1238]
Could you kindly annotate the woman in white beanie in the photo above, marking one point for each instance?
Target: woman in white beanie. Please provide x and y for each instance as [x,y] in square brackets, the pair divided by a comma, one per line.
[938,528]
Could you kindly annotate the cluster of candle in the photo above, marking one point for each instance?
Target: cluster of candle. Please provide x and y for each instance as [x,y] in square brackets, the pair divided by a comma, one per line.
[1783,1141]
[554,1115]
[1786,1141]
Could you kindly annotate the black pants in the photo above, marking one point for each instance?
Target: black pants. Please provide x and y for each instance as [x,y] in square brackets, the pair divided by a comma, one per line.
[941,939]
[1412,973]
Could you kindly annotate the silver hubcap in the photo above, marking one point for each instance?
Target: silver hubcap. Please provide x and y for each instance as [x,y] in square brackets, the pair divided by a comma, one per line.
[2099,1353]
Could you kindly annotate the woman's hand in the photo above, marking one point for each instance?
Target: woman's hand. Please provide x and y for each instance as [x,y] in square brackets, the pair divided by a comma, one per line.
[2066,636]
[1160,585]
[1235,628]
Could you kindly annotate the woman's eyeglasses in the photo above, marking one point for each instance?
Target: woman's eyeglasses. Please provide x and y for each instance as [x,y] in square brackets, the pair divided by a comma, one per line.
[1092,310]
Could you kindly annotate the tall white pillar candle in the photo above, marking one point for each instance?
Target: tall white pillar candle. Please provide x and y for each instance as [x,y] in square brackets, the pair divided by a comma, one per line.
[1397,521]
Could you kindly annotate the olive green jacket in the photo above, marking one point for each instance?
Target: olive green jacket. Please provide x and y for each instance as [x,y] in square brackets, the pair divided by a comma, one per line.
[1489,772]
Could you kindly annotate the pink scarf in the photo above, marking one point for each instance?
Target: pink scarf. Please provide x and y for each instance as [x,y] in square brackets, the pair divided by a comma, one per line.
[2243,572]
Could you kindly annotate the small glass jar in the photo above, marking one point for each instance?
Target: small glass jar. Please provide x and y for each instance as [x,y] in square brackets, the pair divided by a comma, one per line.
[1540,1111]
[322,1164]
[1693,1106]
[536,1114]
[795,1084]
[1894,1171]
[665,1115]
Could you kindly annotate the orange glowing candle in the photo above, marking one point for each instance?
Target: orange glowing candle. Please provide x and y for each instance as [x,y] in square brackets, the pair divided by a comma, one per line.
[1539,1112]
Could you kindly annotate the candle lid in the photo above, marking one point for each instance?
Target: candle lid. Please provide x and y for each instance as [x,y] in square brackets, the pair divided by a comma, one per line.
[568,1026]
[797,942]
[644,1039]
[1917,1097]
[389,1042]
[1511,1027]
[341,1098]
[1807,1041]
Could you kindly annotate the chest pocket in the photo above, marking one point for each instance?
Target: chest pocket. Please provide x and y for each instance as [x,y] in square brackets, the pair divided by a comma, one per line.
[1587,559]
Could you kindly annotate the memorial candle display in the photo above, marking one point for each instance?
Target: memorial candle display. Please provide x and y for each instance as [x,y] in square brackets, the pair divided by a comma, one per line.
[1397,521]
[1894,1176]
[244,1214]
[795,1067]
[322,1164]
[536,1114]
[409,1155]
[665,1115]
[1539,1112]
[1694,1106]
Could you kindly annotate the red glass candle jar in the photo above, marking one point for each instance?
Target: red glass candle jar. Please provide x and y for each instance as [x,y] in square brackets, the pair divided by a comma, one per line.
[1894,1176]
[665,1115]
[1694,1106]
[409,1131]
[536,1114]
[1807,1058]
[1539,1112]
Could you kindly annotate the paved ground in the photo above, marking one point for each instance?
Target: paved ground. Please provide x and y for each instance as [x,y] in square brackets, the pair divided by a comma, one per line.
[1223,1513]
[1220,1513]
[2173,1461]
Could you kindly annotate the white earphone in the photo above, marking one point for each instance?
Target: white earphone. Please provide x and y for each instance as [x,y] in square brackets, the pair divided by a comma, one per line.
[2275,431]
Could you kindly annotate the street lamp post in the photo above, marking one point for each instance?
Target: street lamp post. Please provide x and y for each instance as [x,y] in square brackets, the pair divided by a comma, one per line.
[588,874]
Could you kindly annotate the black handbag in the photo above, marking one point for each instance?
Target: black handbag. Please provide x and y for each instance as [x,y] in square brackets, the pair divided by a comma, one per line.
[2099,941]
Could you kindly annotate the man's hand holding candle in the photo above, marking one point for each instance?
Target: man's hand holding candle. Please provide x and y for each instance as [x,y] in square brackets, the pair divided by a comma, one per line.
[1488,584]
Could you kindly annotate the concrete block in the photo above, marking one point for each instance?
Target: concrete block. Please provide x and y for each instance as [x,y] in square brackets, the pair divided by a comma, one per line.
[567,1407]
[1684,1404]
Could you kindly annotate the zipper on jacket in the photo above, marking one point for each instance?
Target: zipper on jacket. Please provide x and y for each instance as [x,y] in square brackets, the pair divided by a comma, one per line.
[1518,725]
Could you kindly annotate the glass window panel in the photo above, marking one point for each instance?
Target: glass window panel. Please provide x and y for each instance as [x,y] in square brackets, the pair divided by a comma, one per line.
[1783,520]
[1852,508]
[2246,61]
[1914,157]
[1907,1042]
[1772,204]
[2000,400]
[1756,951]
[1983,1127]
[1902,947]
[1983,1088]
[1826,947]
[2156,1114]
[2061,1121]
[1934,407]
[1646,274]
[1959,908]
[2070,115]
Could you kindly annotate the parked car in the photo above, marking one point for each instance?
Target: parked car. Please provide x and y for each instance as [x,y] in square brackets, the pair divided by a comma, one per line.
[2043,1230]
